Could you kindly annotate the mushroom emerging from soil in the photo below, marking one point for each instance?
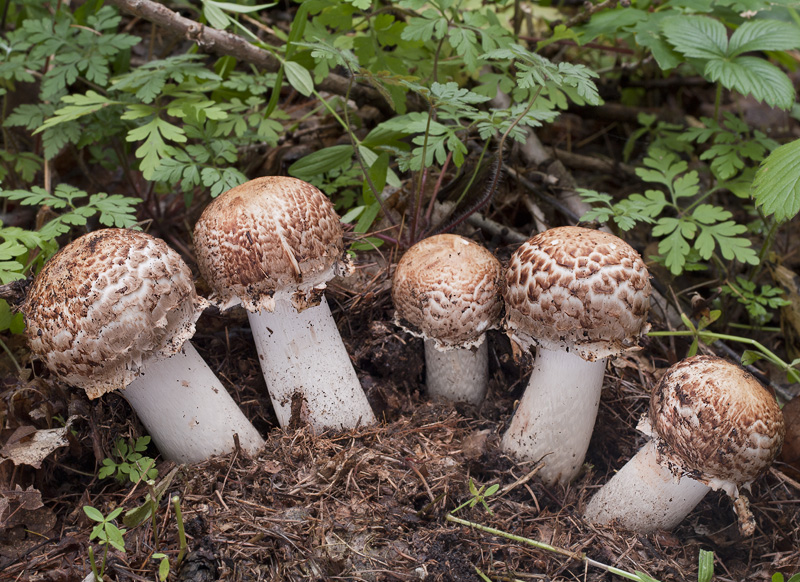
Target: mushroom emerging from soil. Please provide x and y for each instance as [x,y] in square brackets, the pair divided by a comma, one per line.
[581,296]
[713,426]
[114,310]
[446,290]
[272,244]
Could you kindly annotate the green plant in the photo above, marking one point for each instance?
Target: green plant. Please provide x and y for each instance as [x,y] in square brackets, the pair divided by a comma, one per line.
[697,34]
[129,464]
[687,226]
[757,300]
[701,333]
[107,534]
[778,577]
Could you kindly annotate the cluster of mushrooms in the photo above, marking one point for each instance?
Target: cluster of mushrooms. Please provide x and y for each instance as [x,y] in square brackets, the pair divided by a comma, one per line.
[115,309]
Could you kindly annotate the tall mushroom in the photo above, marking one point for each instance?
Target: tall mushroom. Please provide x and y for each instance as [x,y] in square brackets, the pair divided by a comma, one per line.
[713,426]
[272,244]
[580,296]
[446,290]
[114,310]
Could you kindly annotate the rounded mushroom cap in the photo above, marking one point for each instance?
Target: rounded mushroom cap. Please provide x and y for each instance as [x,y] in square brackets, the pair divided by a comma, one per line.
[270,238]
[715,423]
[448,289]
[105,303]
[577,288]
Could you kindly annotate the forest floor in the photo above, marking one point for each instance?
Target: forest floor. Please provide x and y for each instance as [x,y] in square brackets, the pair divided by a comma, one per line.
[372,504]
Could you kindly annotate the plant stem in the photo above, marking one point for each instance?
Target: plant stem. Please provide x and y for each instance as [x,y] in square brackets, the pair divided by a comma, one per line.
[581,557]
[176,503]
[717,102]
[711,335]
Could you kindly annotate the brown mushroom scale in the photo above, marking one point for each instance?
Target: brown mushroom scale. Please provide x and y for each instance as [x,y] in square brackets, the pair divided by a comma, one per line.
[272,244]
[579,296]
[446,290]
[113,310]
[269,237]
[713,426]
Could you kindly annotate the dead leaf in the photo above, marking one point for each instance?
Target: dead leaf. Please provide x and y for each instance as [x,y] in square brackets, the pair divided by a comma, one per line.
[33,448]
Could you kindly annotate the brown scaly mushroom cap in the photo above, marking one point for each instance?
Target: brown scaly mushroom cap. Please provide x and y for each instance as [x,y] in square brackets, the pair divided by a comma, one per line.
[577,288]
[715,423]
[448,289]
[270,237]
[105,303]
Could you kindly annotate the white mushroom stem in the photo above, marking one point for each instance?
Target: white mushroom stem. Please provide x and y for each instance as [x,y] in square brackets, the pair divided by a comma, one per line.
[555,417]
[307,368]
[458,374]
[645,496]
[187,410]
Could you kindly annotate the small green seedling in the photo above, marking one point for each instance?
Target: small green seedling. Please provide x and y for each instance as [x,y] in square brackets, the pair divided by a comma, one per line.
[132,465]
[479,496]
[107,534]
[778,577]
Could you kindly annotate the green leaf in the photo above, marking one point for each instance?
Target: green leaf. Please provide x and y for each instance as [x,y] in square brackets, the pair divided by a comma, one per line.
[753,76]
[299,77]
[93,514]
[776,187]
[764,35]
[322,161]
[699,37]
[705,569]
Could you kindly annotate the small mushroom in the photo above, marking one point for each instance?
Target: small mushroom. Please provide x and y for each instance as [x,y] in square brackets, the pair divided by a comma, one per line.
[272,244]
[580,296]
[446,290]
[114,310]
[713,426]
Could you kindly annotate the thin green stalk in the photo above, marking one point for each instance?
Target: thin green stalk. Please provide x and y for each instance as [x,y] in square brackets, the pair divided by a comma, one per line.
[176,503]
[717,102]
[93,564]
[711,335]
[581,557]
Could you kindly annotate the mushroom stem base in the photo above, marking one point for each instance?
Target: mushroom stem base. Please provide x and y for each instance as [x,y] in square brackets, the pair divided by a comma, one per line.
[457,375]
[555,417]
[187,410]
[307,369]
[644,496]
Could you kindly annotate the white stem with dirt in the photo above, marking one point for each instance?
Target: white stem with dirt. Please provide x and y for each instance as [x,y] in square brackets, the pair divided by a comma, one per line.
[555,417]
[458,374]
[645,496]
[186,409]
[308,371]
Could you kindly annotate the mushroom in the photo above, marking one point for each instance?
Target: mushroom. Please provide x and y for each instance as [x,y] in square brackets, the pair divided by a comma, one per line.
[113,310]
[272,244]
[713,426]
[446,290]
[580,296]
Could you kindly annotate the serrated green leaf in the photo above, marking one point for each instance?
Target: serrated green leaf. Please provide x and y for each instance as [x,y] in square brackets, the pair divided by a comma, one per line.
[753,76]
[699,37]
[776,187]
[764,35]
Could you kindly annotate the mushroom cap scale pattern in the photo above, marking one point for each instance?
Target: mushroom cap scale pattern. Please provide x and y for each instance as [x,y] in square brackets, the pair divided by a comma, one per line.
[577,289]
[269,238]
[715,423]
[107,302]
[447,288]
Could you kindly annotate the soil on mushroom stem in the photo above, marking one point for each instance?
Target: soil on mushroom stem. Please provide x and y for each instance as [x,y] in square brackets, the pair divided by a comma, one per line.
[370,505]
